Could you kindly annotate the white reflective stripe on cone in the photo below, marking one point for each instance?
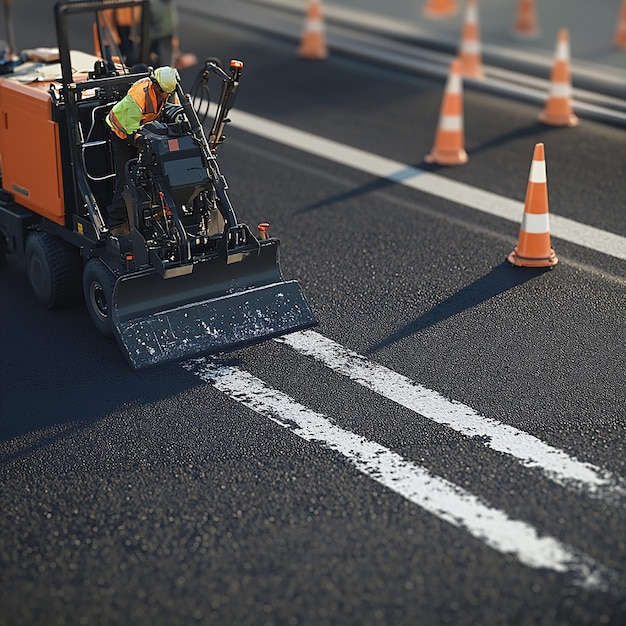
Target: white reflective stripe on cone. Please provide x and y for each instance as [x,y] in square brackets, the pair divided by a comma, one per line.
[451,122]
[536,224]
[537,172]
[472,47]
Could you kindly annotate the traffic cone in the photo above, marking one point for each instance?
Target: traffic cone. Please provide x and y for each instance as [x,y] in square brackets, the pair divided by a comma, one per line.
[313,42]
[620,33]
[440,8]
[533,247]
[182,60]
[558,107]
[449,146]
[526,20]
[469,51]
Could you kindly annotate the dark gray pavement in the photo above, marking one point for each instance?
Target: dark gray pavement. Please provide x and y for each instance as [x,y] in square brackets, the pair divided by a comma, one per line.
[152,498]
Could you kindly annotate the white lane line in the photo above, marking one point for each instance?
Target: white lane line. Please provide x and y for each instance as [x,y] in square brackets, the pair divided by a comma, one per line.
[436,495]
[527,449]
[420,180]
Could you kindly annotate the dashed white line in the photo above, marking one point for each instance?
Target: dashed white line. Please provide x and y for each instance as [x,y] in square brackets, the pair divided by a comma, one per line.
[434,494]
[527,449]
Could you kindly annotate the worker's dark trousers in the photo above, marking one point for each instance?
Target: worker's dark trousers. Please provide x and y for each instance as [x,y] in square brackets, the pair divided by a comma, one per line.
[161,52]
[123,150]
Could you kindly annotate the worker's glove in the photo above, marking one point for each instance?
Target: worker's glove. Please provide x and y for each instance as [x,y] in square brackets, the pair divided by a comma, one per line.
[137,140]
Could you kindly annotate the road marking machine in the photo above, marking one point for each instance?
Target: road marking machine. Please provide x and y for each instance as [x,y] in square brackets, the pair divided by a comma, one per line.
[189,279]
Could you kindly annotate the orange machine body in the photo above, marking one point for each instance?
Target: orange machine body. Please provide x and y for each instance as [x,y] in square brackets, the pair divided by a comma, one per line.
[30,148]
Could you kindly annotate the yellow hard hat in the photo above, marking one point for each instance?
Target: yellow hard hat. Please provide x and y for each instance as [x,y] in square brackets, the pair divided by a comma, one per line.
[167,77]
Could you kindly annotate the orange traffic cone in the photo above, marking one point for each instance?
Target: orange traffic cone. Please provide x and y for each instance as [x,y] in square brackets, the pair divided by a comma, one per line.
[558,108]
[469,51]
[182,60]
[313,42]
[449,146]
[533,247]
[620,33]
[526,20]
[440,8]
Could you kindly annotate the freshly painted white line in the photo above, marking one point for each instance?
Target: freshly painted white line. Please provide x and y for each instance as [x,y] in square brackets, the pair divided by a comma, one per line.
[420,180]
[527,449]
[434,494]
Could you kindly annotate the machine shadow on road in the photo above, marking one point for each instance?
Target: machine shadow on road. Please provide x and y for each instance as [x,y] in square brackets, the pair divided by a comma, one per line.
[60,376]
[500,279]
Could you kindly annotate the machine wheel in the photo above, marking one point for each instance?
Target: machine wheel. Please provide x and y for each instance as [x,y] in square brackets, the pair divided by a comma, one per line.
[3,250]
[53,268]
[98,283]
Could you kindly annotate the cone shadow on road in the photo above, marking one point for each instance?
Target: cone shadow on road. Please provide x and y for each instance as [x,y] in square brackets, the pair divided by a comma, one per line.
[500,279]
[530,130]
[378,184]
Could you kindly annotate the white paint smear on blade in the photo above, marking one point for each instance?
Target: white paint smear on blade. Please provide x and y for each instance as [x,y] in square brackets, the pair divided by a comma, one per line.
[527,449]
[433,184]
[434,494]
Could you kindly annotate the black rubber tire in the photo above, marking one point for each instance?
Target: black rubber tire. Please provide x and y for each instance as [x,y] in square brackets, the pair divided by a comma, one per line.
[98,283]
[53,269]
[3,251]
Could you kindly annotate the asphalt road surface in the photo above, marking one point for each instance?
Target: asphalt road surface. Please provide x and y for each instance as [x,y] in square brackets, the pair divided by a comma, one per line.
[446,447]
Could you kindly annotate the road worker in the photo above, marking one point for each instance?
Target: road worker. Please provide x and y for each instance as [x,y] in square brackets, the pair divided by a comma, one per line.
[144,102]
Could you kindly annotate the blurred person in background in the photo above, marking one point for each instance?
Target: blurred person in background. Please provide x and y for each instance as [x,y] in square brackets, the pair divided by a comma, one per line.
[164,37]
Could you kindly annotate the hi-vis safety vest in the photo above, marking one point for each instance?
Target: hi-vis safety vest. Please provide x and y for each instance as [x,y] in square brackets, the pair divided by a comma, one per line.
[139,106]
